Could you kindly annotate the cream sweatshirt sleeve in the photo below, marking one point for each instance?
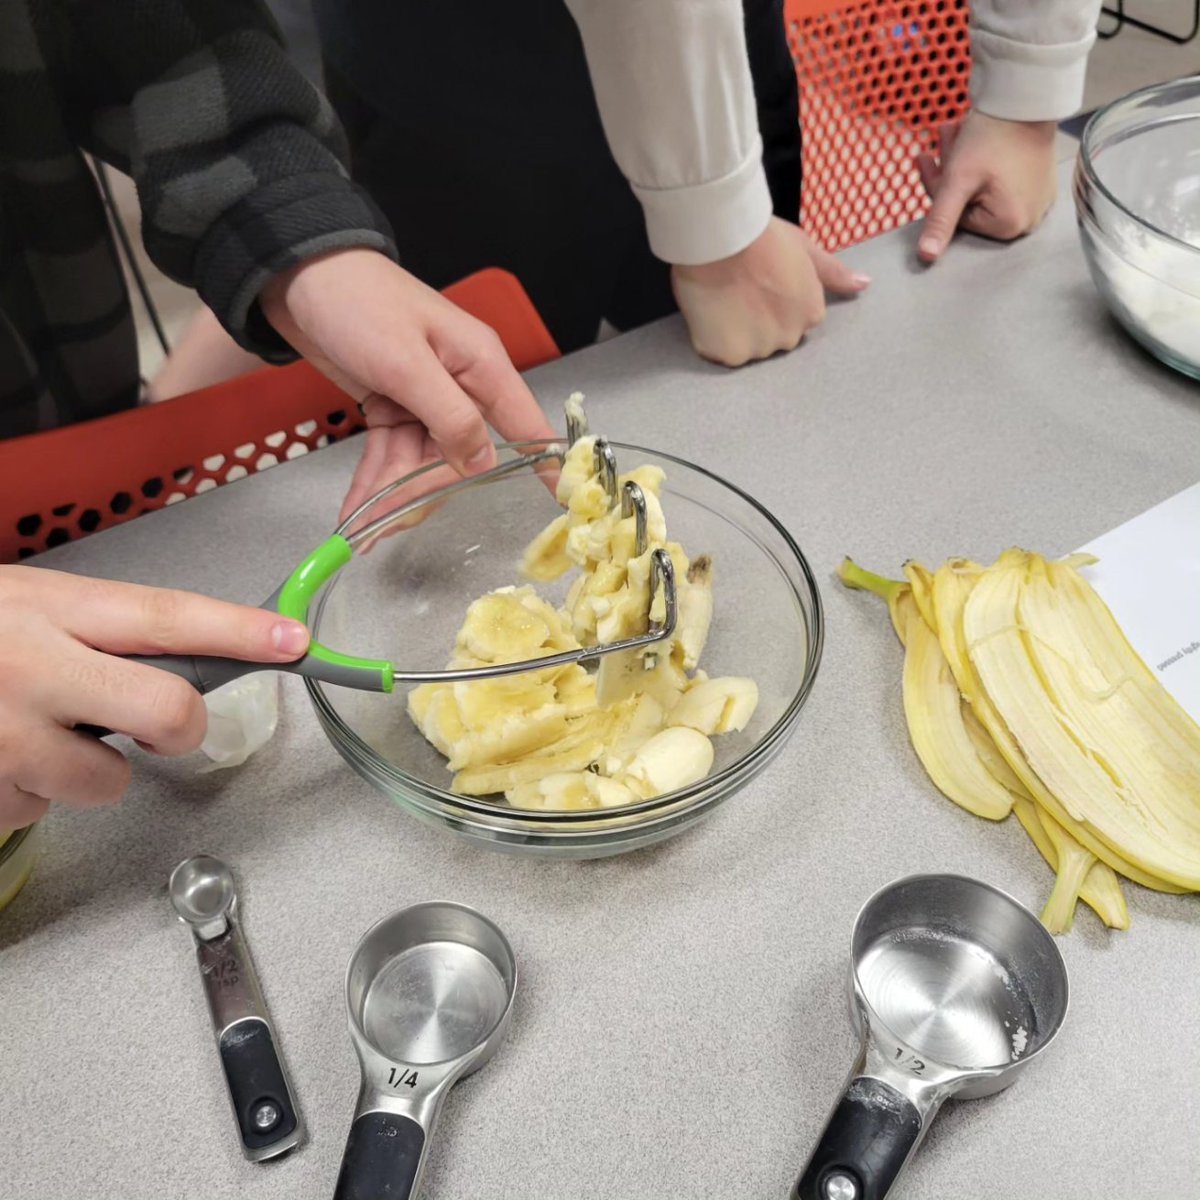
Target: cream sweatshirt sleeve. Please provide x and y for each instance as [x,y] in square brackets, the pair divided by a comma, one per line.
[1030,56]
[672,81]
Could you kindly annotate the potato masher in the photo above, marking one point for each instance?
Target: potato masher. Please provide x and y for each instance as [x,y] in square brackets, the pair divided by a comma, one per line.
[295,597]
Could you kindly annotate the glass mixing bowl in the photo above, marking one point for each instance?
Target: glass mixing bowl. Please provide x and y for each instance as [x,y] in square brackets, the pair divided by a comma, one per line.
[405,599]
[1137,198]
[18,854]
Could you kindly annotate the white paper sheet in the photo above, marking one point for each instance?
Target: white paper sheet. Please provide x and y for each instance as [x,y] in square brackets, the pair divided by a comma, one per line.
[1149,575]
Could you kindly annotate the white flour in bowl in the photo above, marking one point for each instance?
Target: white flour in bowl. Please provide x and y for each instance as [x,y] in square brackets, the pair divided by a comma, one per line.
[1158,310]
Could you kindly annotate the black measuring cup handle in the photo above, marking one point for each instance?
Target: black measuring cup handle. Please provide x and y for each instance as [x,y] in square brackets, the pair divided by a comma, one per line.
[864,1145]
[382,1158]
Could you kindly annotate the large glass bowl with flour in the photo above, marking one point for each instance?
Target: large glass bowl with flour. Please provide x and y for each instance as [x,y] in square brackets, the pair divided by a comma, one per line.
[406,597]
[1137,197]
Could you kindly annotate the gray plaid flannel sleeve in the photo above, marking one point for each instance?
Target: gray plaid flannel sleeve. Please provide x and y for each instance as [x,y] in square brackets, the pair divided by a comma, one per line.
[238,160]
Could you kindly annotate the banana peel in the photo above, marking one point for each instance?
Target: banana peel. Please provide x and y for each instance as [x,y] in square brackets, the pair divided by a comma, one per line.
[1077,735]
[933,710]
[954,582]
[891,590]
[1100,762]
[920,581]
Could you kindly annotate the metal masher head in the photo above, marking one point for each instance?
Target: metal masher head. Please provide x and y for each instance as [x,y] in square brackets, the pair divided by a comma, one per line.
[605,462]
[632,502]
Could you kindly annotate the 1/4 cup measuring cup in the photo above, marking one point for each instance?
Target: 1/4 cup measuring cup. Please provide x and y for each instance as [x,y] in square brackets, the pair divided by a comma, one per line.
[429,993]
[954,989]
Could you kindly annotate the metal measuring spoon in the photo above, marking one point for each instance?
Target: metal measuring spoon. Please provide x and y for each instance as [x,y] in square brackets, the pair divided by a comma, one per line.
[429,992]
[269,1124]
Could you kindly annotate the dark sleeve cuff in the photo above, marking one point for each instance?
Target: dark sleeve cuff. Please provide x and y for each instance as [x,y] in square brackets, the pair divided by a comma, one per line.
[271,230]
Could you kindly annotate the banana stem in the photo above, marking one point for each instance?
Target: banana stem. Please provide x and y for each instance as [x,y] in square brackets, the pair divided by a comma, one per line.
[1102,890]
[854,576]
[1059,914]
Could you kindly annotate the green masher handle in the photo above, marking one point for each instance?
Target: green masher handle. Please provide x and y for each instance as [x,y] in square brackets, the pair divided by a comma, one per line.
[292,599]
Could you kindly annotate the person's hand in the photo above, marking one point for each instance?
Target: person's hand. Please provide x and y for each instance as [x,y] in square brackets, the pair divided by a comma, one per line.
[430,378]
[54,674]
[995,178]
[763,299]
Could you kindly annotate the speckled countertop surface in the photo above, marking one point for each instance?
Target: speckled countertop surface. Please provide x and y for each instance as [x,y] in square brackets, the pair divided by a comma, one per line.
[681,1028]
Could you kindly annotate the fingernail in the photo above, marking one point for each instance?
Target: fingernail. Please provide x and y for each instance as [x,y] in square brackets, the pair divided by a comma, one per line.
[482,458]
[929,247]
[289,637]
[859,279]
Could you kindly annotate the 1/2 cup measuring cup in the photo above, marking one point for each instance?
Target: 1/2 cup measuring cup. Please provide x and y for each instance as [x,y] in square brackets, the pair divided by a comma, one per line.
[429,992]
[954,989]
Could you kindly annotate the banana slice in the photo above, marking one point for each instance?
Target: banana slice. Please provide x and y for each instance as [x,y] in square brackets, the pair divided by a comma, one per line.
[503,777]
[485,701]
[646,718]
[571,791]
[509,737]
[670,760]
[717,705]
[576,417]
[501,628]
[620,676]
[577,470]
[576,690]
[435,713]
[649,478]
[666,683]
[546,556]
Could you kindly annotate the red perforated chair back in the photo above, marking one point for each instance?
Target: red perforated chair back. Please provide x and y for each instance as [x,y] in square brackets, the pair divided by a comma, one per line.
[497,298]
[66,483]
[877,78]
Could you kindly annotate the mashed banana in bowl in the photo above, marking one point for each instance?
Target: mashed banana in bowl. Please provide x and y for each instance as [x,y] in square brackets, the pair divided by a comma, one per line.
[564,738]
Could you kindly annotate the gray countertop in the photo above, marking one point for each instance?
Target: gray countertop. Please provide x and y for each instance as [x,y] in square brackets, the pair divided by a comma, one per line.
[681,1027]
